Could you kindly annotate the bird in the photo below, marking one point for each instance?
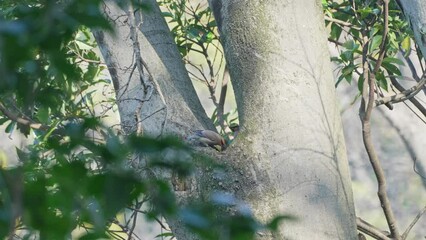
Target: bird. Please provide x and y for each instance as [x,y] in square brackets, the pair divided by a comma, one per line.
[208,138]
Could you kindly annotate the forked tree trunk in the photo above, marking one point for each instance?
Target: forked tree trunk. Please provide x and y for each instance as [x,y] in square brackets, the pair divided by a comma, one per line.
[289,157]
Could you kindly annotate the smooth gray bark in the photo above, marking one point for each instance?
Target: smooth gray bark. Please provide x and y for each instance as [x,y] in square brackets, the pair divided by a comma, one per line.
[290,156]
[151,83]
[291,130]
[148,73]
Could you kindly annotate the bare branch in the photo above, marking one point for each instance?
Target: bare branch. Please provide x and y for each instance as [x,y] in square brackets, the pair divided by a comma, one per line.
[404,95]
[220,107]
[21,120]
[405,235]
[371,230]
[414,101]
[340,22]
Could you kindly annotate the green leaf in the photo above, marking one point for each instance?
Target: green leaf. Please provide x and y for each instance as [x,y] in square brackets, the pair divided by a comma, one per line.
[168,14]
[193,32]
[406,45]
[382,81]
[336,31]
[214,115]
[393,60]
[94,235]
[23,156]
[360,83]
[351,45]
[212,24]
[43,114]
[10,127]
[392,69]
[346,73]
[3,120]
[336,59]
[348,70]
[339,79]
[274,224]
[375,42]
[166,234]
[83,45]
[209,37]
[347,56]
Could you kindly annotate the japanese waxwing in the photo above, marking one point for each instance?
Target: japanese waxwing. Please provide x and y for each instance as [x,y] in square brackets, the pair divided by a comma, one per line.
[208,138]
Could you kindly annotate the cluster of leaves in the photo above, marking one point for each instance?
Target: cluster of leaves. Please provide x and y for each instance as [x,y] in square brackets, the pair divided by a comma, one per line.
[40,59]
[192,27]
[350,22]
[76,174]
[48,65]
[237,226]
[58,188]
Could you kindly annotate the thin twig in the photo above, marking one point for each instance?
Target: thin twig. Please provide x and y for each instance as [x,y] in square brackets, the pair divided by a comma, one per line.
[24,121]
[421,174]
[340,22]
[402,96]
[382,48]
[200,71]
[212,83]
[414,101]
[135,216]
[405,235]
[371,230]
[220,107]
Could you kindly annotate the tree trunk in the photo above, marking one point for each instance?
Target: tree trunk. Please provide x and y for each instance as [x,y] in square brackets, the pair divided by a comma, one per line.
[154,93]
[291,131]
[289,157]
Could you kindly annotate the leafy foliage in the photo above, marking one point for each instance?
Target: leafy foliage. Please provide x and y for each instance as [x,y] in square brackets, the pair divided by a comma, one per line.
[212,220]
[193,27]
[352,21]
[373,41]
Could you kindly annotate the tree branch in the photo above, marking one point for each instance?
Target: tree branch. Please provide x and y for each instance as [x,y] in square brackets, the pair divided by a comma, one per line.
[220,106]
[24,121]
[367,104]
[340,22]
[384,38]
[404,95]
[371,230]
[414,101]
[405,235]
